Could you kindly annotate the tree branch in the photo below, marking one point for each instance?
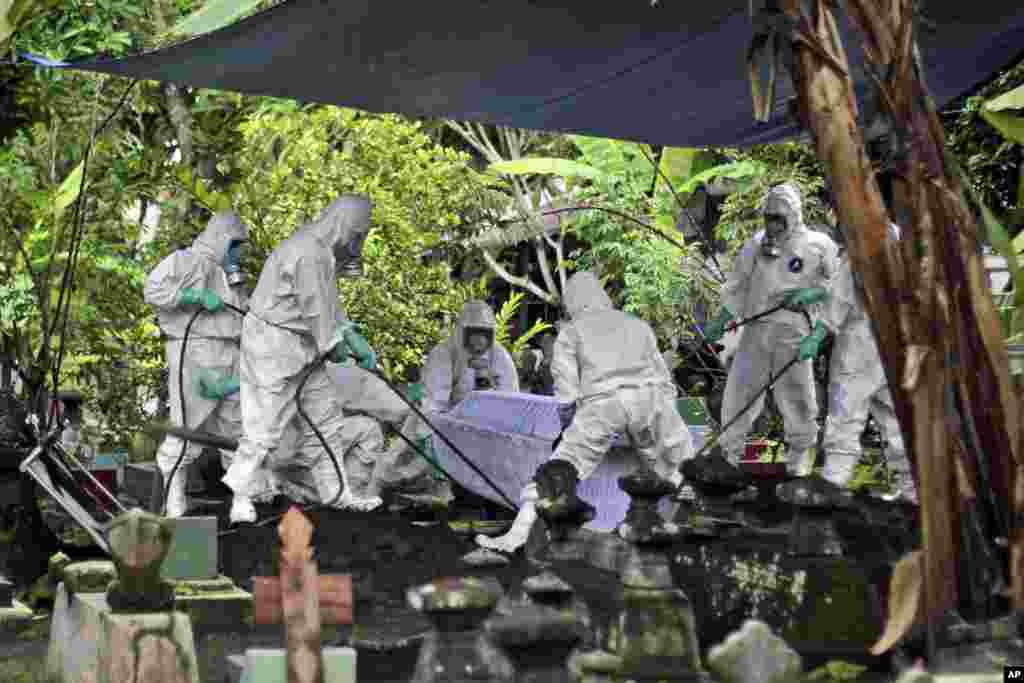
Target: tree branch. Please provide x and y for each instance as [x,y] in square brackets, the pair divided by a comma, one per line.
[545,267]
[522,283]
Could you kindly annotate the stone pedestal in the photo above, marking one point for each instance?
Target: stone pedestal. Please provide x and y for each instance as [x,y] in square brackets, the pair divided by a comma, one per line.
[89,643]
[714,480]
[456,607]
[656,634]
[815,502]
[538,641]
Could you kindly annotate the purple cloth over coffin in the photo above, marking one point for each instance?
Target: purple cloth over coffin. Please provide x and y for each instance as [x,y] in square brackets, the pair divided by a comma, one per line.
[508,435]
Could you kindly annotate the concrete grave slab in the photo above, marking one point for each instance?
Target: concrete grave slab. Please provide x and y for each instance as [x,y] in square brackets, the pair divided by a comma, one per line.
[270,665]
[214,603]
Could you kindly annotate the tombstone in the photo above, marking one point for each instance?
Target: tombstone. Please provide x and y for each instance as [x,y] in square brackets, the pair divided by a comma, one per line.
[754,655]
[815,503]
[547,590]
[715,481]
[563,512]
[456,607]
[130,632]
[656,636]
[537,640]
[302,600]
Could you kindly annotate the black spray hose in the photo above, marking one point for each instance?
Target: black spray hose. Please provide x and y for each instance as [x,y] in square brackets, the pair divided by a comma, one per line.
[411,444]
[445,439]
[184,415]
[380,375]
[309,370]
[772,379]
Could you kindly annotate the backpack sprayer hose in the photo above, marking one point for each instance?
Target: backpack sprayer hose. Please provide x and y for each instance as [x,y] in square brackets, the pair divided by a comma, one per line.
[184,415]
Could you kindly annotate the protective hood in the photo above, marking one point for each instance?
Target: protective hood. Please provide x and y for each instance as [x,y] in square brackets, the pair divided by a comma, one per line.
[344,220]
[584,294]
[477,314]
[224,227]
[787,195]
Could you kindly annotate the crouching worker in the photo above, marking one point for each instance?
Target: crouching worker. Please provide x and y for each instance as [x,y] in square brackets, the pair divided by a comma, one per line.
[607,364]
[470,360]
[294,320]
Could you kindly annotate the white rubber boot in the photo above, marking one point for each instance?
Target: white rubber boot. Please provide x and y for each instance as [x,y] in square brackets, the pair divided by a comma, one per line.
[242,510]
[840,467]
[515,538]
[327,483]
[176,504]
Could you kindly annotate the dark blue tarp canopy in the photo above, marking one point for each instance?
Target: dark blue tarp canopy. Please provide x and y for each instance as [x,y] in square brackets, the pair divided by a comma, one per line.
[673,73]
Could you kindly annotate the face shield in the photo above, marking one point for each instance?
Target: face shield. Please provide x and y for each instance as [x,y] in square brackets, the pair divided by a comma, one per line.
[348,258]
[232,263]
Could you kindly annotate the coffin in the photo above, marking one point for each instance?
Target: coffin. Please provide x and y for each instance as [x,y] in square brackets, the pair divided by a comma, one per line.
[508,435]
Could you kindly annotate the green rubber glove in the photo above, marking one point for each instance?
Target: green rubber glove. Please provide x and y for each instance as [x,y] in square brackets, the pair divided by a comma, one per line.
[715,329]
[359,348]
[340,353]
[215,386]
[810,345]
[207,298]
[415,392]
[805,296]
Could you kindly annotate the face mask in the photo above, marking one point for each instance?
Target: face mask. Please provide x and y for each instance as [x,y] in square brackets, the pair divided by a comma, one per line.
[233,263]
[477,343]
[775,233]
[349,258]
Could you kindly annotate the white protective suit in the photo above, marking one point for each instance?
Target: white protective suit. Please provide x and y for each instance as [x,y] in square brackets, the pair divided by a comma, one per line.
[293,318]
[448,377]
[758,283]
[447,374]
[607,362]
[857,387]
[213,343]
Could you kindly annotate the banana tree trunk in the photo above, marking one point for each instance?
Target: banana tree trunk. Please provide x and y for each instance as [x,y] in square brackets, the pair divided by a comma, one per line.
[933,316]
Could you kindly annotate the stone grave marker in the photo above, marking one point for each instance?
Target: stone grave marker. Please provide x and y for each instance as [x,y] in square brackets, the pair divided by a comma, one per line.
[754,655]
[131,632]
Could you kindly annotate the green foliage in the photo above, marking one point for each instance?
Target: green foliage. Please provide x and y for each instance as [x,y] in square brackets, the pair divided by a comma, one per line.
[297,163]
[992,162]
[16,13]
[787,162]
[212,15]
[506,314]
[544,165]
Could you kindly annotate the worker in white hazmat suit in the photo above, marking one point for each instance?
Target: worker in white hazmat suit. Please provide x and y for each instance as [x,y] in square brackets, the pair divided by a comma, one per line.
[858,387]
[295,319]
[206,274]
[789,264]
[609,372]
[469,360]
